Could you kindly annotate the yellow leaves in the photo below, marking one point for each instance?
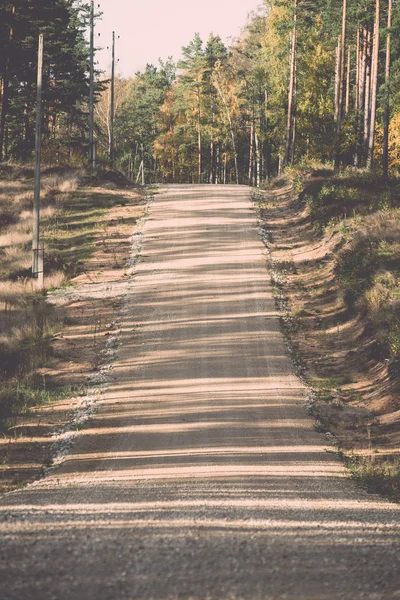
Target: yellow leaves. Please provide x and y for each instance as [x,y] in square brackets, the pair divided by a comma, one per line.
[394,142]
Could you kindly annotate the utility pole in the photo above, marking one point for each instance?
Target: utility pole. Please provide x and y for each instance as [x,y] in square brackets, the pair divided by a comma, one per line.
[38,139]
[92,149]
[111,156]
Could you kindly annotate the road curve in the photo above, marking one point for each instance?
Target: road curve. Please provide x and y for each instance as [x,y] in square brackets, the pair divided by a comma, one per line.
[201,476]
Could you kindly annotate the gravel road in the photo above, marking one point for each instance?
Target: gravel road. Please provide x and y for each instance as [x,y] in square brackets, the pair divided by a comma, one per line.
[201,476]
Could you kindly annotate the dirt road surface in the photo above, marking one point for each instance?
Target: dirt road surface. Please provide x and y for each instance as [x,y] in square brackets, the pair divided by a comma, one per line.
[201,476]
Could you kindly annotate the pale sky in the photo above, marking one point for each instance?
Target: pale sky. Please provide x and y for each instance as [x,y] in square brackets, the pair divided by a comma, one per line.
[150,29]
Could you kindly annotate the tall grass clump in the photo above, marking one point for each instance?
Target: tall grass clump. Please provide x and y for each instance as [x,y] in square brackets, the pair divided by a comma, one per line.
[378,476]
[27,321]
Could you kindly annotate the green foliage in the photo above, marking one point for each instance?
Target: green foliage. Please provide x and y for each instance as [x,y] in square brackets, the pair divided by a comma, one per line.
[331,201]
[355,269]
[377,475]
[17,397]
[137,118]
[65,77]
[224,112]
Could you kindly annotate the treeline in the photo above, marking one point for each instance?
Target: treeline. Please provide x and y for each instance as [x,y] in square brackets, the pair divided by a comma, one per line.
[65,78]
[309,79]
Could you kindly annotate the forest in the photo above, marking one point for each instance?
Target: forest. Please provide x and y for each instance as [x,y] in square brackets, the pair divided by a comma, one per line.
[63,24]
[306,81]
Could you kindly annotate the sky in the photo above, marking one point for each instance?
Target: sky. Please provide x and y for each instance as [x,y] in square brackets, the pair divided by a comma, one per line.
[153,29]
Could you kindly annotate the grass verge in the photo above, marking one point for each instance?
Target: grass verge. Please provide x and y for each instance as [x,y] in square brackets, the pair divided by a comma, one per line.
[335,242]
[72,221]
[377,476]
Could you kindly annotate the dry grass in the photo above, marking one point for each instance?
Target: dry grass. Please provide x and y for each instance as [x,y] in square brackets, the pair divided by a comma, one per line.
[26,320]
[70,218]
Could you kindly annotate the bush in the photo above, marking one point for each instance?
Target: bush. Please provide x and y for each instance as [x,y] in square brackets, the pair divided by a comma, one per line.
[332,201]
[377,476]
[354,269]
[17,397]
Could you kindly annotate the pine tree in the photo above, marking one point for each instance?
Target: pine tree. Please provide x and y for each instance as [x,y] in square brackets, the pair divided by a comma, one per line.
[65,81]
[192,66]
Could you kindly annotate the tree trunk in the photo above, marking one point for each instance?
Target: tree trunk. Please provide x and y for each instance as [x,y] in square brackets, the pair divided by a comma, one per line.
[337,79]
[342,59]
[341,84]
[294,131]
[4,111]
[291,86]
[362,75]
[217,166]
[228,114]
[348,81]
[374,87]
[5,97]
[363,69]
[258,162]
[358,70]
[251,151]
[293,148]
[386,117]
[260,142]
[211,175]
[212,145]
[225,168]
[367,95]
[358,91]
[266,145]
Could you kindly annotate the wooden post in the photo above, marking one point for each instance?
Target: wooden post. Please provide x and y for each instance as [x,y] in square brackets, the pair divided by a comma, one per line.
[38,140]
[40,271]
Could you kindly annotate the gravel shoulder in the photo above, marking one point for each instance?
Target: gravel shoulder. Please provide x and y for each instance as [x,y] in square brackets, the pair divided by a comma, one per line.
[201,476]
